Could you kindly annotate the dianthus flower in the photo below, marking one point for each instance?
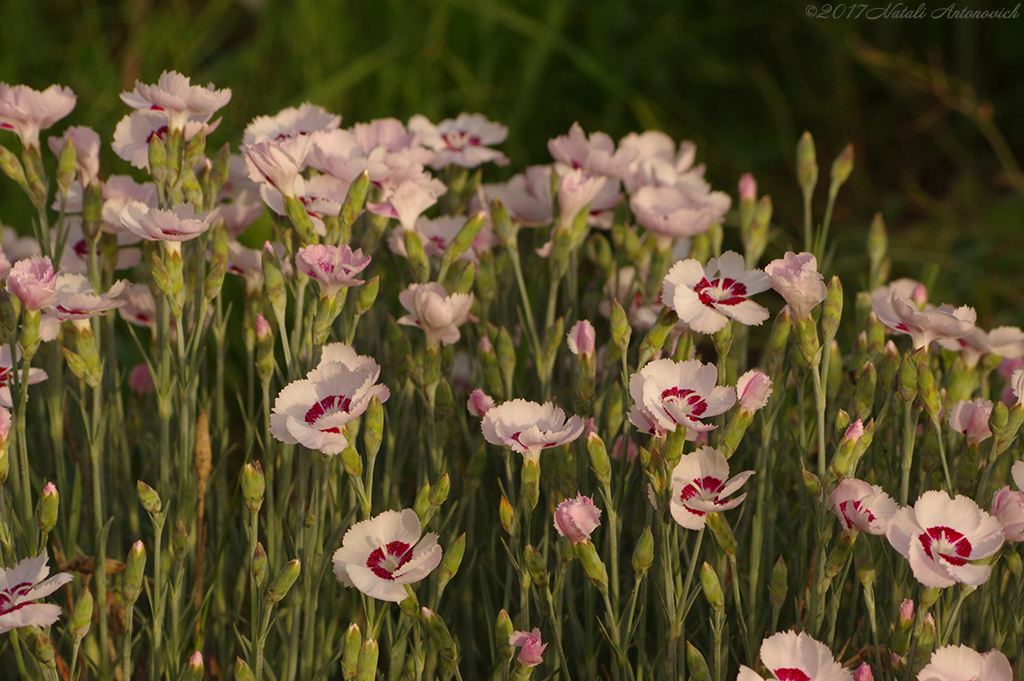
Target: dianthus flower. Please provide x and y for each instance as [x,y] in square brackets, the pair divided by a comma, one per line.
[960,663]
[331,267]
[26,111]
[970,418]
[795,277]
[528,427]
[290,122]
[707,297]
[531,647]
[24,584]
[901,307]
[76,299]
[1008,508]
[700,486]
[576,518]
[87,151]
[435,311]
[684,209]
[790,656]
[462,141]
[861,507]
[180,223]
[33,281]
[667,394]
[175,95]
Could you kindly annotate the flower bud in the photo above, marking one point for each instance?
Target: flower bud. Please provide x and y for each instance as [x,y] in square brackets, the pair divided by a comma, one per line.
[592,565]
[832,309]
[438,494]
[253,486]
[811,482]
[757,239]
[576,519]
[927,391]
[907,385]
[260,566]
[863,673]
[66,166]
[841,168]
[878,244]
[81,616]
[621,330]
[866,379]
[194,671]
[179,539]
[352,462]
[775,353]
[422,504]
[479,403]
[131,581]
[368,653]
[350,655]
[806,164]
[643,554]
[778,585]
[712,587]
[373,433]
[273,283]
[509,521]
[696,663]
[218,261]
[529,490]
[44,652]
[807,337]
[719,527]
[283,582]
[502,632]
[535,564]
[242,671]
[48,506]
[599,461]
[451,562]
[13,169]
[655,338]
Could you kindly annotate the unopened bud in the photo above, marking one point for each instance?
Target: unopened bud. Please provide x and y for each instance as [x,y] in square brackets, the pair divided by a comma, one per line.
[696,663]
[350,655]
[260,566]
[806,164]
[149,498]
[594,568]
[253,486]
[620,327]
[373,433]
[778,585]
[712,587]
[811,482]
[599,461]
[242,671]
[907,385]
[131,584]
[283,582]
[643,554]
[352,462]
[48,507]
[863,673]
[535,564]
[44,652]
[507,514]
[832,309]
[194,671]
[926,390]
[723,534]
[842,167]
[179,539]
[503,630]
[81,616]
[452,561]
[368,654]
[438,494]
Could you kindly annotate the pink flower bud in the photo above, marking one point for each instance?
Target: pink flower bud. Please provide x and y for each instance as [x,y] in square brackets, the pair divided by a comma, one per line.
[920,295]
[753,390]
[532,652]
[581,339]
[907,612]
[479,403]
[631,450]
[485,345]
[196,661]
[140,380]
[971,419]
[576,518]
[748,188]
[49,490]
[1008,508]
[262,327]
[590,428]
[854,432]
[863,673]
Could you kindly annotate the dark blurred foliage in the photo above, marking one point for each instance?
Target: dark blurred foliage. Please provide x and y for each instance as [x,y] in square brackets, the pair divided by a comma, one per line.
[932,105]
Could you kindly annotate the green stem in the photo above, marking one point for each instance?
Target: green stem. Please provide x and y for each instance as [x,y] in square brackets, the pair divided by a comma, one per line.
[909,435]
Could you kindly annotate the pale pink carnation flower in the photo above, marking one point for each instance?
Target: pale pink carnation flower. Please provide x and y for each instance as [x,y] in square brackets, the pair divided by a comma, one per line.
[667,394]
[796,278]
[657,162]
[753,390]
[118,192]
[278,162]
[313,411]
[700,486]
[33,281]
[790,656]
[898,308]
[171,226]
[940,537]
[320,196]
[528,427]
[380,555]
[24,584]
[479,403]
[971,419]
[135,131]
[76,299]
[435,311]
[707,297]
[576,519]
[960,663]
[292,121]
[527,196]
[462,141]
[1008,508]
[531,648]
[436,234]
[595,154]
[407,200]
[332,267]
[861,507]
[26,111]
[580,338]
[87,151]
[684,209]
[139,306]
[175,95]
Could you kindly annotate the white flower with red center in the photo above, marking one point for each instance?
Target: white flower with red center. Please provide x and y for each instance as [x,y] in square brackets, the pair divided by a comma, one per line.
[683,209]
[942,536]
[576,519]
[171,226]
[135,131]
[26,111]
[1008,508]
[177,98]
[971,419]
[290,122]
[76,300]
[667,394]
[462,141]
[332,267]
[33,281]
[24,584]
[796,278]
[901,307]
[861,507]
[528,427]
[708,297]
[701,485]
[960,663]
[313,411]
[379,556]
[435,311]
[595,154]
[790,656]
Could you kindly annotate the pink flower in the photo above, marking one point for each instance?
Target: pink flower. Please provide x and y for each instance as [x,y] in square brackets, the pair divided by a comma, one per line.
[576,518]
[436,234]
[407,200]
[707,297]
[1017,384]
[1008,508]
[436,312]
[960,663]
[175,95]
[576,189]
[379,556]
[657,162]
[528,427]
[461,141]
[796,278]
[278,162]
[941,536]
[262,327]
[971,419]
[527,196]
[180,223]
[531,648]
[27,111]
[667,394]
[135,131]
[23,584]
[699,487]
[76,300]
[595,154]
[7,367]
[479,403]
[313,411]
[581,338]
[861,507]
[33,281]
[790,656]
[631,450]
[896,306]
[684,209]
[331,267]
[87,151]
[140,380]
[753,390]
[139,307]
[748,187]
[291,122]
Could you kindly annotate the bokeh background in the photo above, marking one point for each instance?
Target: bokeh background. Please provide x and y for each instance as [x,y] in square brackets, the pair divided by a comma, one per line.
[933,106]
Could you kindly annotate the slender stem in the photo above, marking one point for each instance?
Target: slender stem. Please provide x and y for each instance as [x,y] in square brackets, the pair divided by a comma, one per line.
[126,645]
[937,425]
[909,435]
[819,403]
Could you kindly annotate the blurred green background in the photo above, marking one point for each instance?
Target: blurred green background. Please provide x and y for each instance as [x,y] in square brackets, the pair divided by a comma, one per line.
[933,106]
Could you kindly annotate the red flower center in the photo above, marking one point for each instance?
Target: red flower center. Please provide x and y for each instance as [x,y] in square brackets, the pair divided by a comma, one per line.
[790,674]
[332,404]
[723,291]
[9,598]
[693,403]
[947,544]
[706,488]
[384,564]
